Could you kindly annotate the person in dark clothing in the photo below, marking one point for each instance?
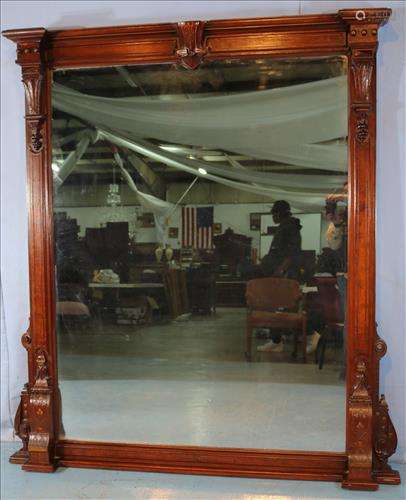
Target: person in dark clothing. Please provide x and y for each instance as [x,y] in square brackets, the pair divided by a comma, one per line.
[283,258]
[337,215]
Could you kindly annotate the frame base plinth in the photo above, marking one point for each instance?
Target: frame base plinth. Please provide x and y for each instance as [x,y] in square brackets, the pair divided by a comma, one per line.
[39,467]
[360,485]
[388,476]
[19,457]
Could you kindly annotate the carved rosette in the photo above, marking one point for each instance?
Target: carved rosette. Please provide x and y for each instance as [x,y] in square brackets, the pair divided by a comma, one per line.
[26,339]
[360,18]
[191,47]
[380,347]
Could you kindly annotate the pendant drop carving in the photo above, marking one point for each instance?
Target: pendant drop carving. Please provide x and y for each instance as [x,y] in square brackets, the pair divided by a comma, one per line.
[362,128]
[35,134]
[191,43]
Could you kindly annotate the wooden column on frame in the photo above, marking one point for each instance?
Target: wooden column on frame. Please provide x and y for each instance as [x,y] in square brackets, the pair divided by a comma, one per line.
[37,418]
[363,376]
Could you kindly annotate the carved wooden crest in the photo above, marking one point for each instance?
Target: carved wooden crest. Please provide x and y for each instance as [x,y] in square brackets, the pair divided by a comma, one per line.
[191,43]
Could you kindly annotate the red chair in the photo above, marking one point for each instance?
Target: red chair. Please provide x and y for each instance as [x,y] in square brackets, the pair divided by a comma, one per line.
[275,303]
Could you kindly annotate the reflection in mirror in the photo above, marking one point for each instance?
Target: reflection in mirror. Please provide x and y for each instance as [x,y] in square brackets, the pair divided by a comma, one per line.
[200,241]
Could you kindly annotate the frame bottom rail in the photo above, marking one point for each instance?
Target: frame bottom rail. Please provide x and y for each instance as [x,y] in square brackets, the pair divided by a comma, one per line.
[279,464]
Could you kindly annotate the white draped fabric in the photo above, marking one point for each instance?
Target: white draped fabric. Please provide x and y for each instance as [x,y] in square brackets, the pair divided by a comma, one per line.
[301,182]
[285,124]
[69,164]
[298,199]
[160,208]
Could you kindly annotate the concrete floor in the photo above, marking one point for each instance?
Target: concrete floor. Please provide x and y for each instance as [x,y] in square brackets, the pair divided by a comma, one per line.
[97,484]
[188,383]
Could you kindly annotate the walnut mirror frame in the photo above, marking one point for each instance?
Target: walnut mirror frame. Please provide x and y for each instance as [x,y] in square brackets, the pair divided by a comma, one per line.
[370,435]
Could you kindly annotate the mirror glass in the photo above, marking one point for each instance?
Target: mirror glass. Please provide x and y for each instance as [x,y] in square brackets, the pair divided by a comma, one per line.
[200,222]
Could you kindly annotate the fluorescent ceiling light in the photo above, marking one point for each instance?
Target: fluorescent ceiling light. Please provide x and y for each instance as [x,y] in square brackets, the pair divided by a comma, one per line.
[171,148]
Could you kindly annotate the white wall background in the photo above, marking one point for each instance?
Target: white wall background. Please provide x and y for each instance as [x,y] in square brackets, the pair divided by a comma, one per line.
[391,213]
[236,216]
[231,215]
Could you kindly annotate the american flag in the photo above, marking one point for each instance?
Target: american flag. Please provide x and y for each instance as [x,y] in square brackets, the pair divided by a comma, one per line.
[197,227]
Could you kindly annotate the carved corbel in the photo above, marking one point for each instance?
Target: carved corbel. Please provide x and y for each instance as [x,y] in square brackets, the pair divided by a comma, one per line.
[22,428]
[40,418]
[362,73]
[32,78]
[360,425]
[385,438]
[191,43]
[385,444]
[362,38]
[29,57]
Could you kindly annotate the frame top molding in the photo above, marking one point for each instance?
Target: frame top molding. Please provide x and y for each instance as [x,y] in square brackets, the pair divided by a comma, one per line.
[188,42]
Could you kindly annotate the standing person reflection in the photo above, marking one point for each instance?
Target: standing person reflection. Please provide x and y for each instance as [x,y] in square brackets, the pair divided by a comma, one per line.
[283,258]
[337,236]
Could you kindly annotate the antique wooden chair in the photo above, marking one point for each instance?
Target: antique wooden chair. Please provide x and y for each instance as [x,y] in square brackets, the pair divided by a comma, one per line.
[333,317]
[275,303]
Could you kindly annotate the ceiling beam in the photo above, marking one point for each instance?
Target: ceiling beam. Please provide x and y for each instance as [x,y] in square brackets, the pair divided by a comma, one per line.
[154,181]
